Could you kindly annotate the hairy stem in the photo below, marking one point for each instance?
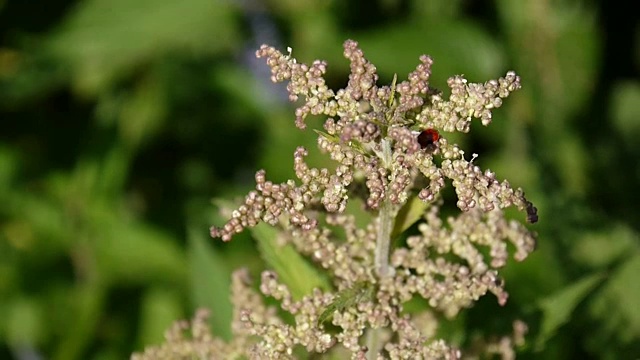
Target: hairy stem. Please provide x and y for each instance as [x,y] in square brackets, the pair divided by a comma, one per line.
[374,344]
[385,221]
[386,217]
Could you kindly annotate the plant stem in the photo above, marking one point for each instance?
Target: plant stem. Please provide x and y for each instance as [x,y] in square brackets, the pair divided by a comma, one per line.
[386,216]
[373,343]
[385,221]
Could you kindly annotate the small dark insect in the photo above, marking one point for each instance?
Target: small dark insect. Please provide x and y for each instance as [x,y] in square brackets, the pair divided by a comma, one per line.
[532,213]
[428,137]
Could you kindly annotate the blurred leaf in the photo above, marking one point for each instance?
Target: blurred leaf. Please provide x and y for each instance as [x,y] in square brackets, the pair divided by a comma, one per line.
[616,308]
[39,228]
[88,300]
[8,168]
[137,253]
[411,212]
[160,309]
[101,39]
[625,110]
[281,138]
[210,282]
[571,163]
[24,322]
[143,111]
[437,9]
[600,249]
[457,47]
[558,307]
[291,267]
[557,46]
[577,53]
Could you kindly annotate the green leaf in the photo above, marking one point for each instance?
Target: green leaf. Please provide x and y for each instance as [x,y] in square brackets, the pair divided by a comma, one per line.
[160,309]
[89,299]
[24,322]
[601,249]
[143,111]
[102,39]
[558,307]
[8,169]
[292,268]
[210,282]
[137,253]
[411,212]
[625,110]
[616,308]
[332,138]
[348,298]
[457,47]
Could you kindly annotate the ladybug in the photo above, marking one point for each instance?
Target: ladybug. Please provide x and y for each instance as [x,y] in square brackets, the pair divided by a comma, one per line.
[428,137]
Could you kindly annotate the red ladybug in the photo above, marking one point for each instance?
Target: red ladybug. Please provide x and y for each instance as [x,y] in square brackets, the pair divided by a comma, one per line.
[428,137]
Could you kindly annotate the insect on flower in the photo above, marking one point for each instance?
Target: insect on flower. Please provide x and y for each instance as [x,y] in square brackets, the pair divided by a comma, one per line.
[428,137]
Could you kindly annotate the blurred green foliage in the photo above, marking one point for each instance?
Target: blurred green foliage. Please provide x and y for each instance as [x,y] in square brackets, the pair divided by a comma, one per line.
[121,120]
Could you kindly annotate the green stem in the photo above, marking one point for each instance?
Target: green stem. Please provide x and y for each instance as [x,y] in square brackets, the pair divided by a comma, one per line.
[373,343]
[385,221]
[386,216]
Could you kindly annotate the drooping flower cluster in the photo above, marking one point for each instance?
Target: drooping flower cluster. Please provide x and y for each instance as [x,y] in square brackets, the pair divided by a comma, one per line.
[372,134]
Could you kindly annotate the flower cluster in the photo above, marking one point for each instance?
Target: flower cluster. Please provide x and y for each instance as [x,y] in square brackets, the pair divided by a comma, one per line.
[371,132]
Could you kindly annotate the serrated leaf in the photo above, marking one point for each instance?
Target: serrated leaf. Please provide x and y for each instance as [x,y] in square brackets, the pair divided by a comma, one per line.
[355,145]
[332,138]
[557,308]
[410,212]
[210,282]
[347,298]
[291,267]
[616,305]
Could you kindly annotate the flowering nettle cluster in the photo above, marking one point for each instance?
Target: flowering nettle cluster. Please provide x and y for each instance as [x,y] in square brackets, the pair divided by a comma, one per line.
[369,133]
[391,149]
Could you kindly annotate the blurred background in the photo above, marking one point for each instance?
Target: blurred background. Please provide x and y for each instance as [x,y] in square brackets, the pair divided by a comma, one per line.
[121,121]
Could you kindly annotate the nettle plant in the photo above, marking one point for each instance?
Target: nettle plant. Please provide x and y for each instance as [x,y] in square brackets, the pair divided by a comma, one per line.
[393,159]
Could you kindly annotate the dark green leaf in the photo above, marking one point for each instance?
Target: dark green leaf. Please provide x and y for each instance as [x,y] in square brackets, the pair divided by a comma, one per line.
[210,282]
[558,307]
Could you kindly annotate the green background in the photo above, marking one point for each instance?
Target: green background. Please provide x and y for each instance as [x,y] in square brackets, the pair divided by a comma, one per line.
[120,120]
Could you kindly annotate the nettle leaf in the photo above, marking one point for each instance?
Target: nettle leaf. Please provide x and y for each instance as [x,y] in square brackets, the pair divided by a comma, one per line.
[292,268]
[348,298]
[135,253]
[410,212]
[606,247]
[557,308]
[625,110]
[474,52]
[160,307]
[355,145]
[616,308]
[210,282]
[101,40]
